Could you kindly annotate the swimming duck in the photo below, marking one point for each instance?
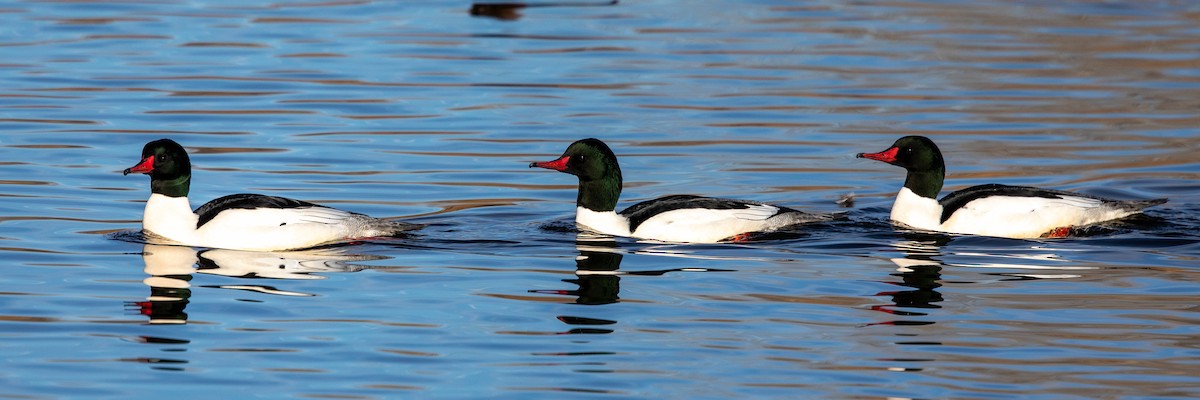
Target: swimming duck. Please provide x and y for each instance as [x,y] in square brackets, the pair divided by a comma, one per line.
[989,210]
[241,221]
[676,218]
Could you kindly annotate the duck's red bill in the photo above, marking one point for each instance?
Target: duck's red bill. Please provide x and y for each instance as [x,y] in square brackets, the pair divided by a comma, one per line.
[558,165]
[886,156]
[144,167]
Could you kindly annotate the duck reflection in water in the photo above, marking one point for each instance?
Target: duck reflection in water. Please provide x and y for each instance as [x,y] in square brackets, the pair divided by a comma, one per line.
[171,268]
[920,271]
[596,269]
[598,278]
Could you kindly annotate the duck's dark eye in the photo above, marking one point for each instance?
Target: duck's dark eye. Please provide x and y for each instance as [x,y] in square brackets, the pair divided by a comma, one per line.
[162,157]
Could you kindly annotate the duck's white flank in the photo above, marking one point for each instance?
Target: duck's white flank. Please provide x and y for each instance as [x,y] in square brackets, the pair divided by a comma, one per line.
[688,225]
[263,229]
[1004,216]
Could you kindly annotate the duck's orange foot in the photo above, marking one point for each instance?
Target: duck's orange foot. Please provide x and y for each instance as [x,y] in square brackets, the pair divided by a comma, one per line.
[1060,232]
[740,238]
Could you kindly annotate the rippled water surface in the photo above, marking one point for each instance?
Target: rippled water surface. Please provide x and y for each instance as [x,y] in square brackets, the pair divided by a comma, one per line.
[422,111]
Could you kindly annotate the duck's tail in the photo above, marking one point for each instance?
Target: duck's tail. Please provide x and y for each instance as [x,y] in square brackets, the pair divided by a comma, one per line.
[1137,205]
[378,227]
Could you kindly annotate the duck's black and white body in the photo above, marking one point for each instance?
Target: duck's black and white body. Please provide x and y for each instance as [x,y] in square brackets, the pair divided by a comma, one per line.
[677,218]
[989,210]
[241,221]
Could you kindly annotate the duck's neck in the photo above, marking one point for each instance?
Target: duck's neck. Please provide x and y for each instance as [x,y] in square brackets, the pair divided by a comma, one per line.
[177,187]
[926,183]
[599,194]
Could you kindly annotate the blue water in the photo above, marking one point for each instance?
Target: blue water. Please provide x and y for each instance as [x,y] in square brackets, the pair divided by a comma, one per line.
[426,113]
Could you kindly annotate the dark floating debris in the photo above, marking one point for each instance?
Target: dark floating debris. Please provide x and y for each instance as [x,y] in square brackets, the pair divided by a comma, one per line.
[846,200]
[510,11]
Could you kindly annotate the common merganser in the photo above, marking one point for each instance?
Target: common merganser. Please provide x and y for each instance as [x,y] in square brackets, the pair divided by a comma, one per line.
[241,221]
[676,218]
[989,210]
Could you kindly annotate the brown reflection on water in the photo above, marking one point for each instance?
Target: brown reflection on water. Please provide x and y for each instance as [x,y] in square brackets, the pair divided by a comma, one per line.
[468,155]
[58,218]
[233,150]
[1128,374]
[722,142]
[386,133]
[50,121]
[1049,41]
[374,117]
[27,183]
[296,172]
[589,49]
[101,21]
[221,93]
[312,55]
[450,206]
[1168,152]
[230,112]
[296,20]
[358,82]
[180,93]
[335,101]
[33,96]
[724,107]
[827,300]
[224,44]
[127,37]
[47,146]
[153,132]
